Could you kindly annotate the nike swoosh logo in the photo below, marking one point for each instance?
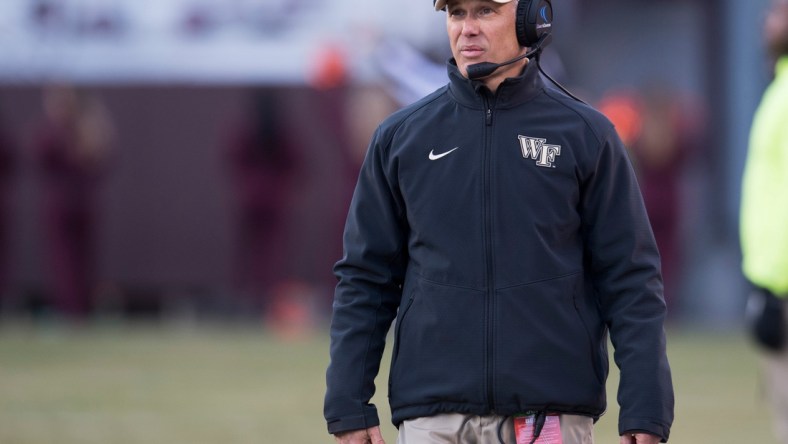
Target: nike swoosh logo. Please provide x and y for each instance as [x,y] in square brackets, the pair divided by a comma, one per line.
[434,156]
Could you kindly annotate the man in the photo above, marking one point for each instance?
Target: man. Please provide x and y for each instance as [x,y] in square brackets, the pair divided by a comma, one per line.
[500,222]
[72,155]
[7,170]
[764,218]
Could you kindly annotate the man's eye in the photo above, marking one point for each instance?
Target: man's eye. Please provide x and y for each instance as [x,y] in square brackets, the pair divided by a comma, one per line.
[486,11]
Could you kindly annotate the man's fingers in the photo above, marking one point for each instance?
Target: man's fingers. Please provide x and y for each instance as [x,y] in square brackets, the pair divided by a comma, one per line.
[375,436]
[354,437]
[371,435]
[645,438]
[639,438]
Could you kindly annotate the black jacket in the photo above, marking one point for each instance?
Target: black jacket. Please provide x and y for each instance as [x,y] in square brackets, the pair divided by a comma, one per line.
[508,236]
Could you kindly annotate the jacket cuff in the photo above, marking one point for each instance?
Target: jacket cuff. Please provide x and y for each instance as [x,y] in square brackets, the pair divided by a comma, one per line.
[360,422]
[634,425]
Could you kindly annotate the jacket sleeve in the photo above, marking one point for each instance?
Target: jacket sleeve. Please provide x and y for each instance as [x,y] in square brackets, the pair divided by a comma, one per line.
[368,293]
[625,265]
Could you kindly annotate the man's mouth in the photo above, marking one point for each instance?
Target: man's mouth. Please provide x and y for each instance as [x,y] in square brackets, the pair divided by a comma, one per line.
[471,51]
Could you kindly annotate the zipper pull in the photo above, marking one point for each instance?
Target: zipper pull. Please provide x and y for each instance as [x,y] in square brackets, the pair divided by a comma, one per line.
[489,116]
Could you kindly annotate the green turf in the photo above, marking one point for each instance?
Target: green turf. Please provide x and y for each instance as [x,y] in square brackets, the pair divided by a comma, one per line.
[129,385]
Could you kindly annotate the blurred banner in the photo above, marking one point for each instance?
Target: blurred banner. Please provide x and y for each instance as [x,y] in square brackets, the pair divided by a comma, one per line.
[217,41]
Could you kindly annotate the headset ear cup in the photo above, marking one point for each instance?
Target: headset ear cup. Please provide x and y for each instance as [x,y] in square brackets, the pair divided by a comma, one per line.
[534,20]
[521,25]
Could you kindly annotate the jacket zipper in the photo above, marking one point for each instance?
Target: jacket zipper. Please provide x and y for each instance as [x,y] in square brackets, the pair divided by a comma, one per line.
[490,303]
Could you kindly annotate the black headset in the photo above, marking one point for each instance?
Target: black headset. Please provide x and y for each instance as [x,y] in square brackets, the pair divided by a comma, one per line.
[534,21]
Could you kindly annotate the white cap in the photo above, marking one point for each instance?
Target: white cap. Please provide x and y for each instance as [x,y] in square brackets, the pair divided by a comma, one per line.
[440,4]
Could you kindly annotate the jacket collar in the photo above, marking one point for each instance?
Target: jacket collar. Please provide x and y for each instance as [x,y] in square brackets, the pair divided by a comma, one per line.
[512,91]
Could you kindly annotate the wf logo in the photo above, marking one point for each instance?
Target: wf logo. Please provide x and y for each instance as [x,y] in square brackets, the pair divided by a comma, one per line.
[538,150]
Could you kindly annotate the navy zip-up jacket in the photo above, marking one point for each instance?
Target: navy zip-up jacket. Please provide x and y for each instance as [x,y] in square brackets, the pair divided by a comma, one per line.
[507,236]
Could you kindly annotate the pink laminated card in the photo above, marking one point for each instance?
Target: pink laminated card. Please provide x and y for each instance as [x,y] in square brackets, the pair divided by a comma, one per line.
[551,432]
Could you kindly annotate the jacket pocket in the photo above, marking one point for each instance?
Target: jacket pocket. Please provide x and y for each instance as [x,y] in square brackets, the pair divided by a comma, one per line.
[438,349]
[550,346]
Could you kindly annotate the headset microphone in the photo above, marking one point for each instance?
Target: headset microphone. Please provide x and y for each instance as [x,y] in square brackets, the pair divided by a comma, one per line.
[484,69]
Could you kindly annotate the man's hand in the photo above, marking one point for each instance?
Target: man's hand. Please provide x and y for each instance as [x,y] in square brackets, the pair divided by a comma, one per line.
[639,438]
[367,436]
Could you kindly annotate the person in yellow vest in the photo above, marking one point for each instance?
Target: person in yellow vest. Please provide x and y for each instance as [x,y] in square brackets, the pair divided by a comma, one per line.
[764,220]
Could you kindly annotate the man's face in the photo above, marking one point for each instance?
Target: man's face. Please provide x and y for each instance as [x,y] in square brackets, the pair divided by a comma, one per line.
[483,31]
[776,28]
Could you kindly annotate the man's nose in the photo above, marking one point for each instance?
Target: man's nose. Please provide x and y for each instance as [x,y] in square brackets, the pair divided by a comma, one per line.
[470,26]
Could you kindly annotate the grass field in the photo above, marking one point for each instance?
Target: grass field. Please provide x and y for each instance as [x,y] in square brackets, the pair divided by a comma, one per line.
[124,384]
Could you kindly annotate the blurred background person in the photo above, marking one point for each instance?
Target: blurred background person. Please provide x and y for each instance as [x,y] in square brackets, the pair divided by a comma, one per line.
[6,172]
[764,220]
[71,156]
[262,160]
[662,130]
